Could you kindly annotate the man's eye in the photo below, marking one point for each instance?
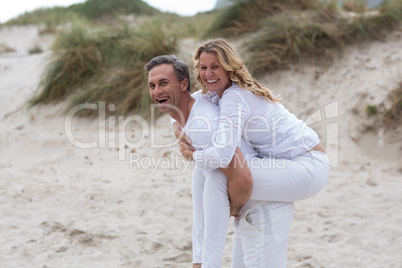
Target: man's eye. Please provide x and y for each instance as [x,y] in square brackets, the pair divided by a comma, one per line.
[151,86]
[164,83]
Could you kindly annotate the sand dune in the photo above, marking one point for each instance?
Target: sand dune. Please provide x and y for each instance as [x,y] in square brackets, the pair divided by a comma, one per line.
[111,206]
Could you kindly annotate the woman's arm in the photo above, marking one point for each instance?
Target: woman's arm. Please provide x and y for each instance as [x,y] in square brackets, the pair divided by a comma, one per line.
[179,133]
[233,114]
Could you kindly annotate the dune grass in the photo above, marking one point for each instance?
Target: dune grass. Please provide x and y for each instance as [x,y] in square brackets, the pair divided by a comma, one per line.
[50,17]
[90,10]
[389,113]
[94,9]
[189,27]
[4,48]
[393,116]
[245,16]
[286,41]
[104,66]
[316,34]
[372,27]
[35,49]
[356,6]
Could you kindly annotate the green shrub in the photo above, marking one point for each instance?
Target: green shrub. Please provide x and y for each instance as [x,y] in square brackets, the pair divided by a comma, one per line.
[371,110]
[36,49]
[105,66]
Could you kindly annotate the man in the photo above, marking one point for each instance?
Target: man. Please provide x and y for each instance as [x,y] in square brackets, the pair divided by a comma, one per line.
[169,87]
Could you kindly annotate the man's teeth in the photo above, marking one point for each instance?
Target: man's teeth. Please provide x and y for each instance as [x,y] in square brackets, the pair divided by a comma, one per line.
[212,81]
[162,100]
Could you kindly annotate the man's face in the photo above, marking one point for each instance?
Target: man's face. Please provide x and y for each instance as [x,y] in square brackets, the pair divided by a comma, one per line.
[164,88]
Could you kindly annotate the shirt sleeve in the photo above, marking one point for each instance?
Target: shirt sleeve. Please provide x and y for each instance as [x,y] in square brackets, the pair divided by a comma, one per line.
[172,120]
[233,113]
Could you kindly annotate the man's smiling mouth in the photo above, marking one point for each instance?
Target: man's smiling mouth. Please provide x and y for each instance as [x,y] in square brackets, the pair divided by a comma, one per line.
[162,100]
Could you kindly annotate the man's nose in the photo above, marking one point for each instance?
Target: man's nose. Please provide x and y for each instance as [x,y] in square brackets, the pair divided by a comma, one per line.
[157,90]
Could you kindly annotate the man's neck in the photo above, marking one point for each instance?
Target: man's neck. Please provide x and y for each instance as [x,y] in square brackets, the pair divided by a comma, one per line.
[182,115]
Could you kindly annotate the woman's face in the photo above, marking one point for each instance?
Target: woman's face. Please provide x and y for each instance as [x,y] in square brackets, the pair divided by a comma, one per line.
[214,77]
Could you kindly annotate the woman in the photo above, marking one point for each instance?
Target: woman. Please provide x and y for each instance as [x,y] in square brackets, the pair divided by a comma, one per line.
[291,164]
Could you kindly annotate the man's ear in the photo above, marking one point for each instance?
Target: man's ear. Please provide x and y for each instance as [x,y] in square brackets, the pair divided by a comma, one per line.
[184,84]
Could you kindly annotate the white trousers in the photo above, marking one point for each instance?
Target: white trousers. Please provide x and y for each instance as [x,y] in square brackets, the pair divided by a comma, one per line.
[262,228]
[261,234]
[211,215]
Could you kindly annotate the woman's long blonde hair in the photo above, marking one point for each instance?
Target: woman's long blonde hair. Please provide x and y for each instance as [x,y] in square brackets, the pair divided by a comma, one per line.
[231,62]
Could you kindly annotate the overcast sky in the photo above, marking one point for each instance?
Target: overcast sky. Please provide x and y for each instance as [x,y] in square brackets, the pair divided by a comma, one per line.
[12,8]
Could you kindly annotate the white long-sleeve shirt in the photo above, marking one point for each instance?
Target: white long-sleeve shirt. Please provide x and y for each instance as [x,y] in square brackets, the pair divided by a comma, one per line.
[267,126]
[202,127]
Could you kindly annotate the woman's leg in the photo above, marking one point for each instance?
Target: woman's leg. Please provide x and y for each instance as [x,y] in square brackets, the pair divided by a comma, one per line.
[216,218]
[264,225]
[198,180]
[289,180]
[240,182]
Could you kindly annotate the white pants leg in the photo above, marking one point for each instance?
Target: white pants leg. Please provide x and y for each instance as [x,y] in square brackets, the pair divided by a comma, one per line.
[237,250]
[216,218]
[198,213]
[263,230]
[289,180]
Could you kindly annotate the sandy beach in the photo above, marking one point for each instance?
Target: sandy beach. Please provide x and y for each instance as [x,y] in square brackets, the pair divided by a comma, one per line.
[111,205]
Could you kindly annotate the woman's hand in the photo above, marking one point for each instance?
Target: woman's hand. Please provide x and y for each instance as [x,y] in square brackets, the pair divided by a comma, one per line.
[184,142]
[180,135]
[186,150]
